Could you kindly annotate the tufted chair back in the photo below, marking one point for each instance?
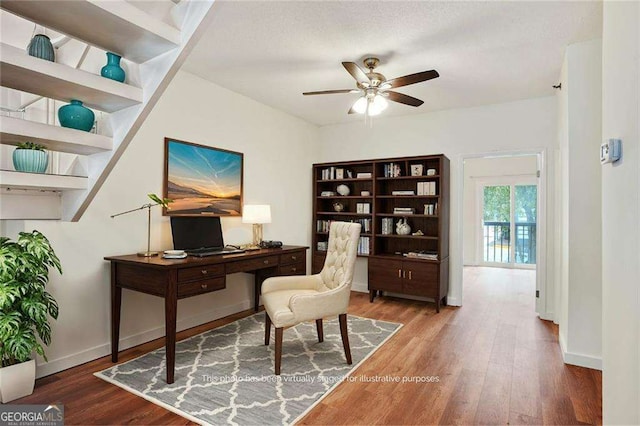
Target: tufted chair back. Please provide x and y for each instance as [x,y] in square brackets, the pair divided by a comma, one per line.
[341,254]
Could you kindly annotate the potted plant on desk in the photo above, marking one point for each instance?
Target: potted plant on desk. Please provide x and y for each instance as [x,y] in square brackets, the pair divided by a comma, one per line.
[25,307]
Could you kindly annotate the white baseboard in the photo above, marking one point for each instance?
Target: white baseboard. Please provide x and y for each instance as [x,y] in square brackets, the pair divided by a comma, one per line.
[60,364]
[548,316]
[578,359]
[360,287]
[453,301]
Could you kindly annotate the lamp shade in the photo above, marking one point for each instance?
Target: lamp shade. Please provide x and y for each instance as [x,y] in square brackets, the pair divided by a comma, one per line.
[256,213]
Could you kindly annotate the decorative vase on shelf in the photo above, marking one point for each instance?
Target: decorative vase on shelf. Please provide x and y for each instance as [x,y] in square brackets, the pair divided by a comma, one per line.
[76,116]
[40,47]
[30,160]
[339,207]
[113,70]
[402,227]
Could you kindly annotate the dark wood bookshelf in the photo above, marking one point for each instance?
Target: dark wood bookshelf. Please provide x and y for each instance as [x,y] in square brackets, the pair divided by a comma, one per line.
[389,270]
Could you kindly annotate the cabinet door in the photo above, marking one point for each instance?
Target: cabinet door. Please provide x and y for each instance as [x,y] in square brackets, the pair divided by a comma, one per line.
[385,274]
[421,279]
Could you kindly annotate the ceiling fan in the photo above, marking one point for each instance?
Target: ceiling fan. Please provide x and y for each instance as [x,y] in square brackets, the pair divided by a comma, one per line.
[375,88]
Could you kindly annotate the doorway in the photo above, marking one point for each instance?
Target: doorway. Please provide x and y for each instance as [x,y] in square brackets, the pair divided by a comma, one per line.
[508,215]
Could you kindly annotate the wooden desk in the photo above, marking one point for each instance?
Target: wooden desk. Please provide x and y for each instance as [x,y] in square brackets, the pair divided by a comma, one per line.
[180,278]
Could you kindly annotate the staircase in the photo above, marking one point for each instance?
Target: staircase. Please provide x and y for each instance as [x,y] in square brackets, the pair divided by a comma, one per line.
[157,47]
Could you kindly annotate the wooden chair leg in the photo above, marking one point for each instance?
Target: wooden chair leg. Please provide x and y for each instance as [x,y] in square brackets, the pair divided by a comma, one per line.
[320,332]
[278,349]
[267,328]
[345,337]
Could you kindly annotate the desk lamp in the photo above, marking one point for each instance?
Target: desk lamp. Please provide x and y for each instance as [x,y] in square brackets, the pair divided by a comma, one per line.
[257,214]
[164,202]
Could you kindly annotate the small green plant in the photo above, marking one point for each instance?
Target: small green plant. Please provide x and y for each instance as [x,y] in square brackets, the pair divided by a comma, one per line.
[25,305]
[164,202]
[31,145]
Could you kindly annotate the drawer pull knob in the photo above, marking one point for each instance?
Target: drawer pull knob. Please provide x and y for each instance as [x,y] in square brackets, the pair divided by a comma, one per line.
[204,272]
[294,269]
[266,262]
[399,273]
[204,286]
[294,258]
[409,274]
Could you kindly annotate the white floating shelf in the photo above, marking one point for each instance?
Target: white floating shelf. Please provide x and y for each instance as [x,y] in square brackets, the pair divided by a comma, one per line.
[41,181]
[22,72]
[115,26]
[55,138]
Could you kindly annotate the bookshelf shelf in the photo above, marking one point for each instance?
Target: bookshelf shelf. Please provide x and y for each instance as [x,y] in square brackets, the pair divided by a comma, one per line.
[409,177]
[414,237]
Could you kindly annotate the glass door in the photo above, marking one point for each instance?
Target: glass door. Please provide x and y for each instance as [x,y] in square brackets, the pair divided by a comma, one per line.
[509,219]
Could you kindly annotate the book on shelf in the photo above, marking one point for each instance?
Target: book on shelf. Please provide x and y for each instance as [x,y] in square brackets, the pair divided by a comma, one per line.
[404,210]
[431,209]
[363,175]
[422,255]
[426,188]
[392,170]
[403,192]
[387,226]
[363,208]
[363,245]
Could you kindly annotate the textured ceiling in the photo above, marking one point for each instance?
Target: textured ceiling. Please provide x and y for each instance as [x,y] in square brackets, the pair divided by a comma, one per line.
[485,52]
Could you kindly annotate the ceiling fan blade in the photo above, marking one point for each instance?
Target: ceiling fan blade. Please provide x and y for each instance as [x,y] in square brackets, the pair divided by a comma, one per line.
[356,72]
[412,78]
[331,92]
[403,99]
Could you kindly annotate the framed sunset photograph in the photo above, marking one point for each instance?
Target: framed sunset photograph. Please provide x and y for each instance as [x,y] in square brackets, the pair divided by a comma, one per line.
[202,180]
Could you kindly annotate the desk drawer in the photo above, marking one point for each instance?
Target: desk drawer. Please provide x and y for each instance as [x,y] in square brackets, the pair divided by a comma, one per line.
[202,286]
[252,264]
[298,256]
[298,268]
[200,272]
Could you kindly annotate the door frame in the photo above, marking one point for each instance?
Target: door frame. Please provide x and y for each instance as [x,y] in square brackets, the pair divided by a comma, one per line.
[512,181]
[541,228]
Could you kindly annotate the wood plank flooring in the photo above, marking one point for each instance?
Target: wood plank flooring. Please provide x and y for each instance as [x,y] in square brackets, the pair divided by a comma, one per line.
[496,363]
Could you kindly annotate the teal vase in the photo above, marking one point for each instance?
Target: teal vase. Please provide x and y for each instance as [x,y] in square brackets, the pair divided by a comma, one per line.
[30,160]
[76,116]
[41,47]
[113,70]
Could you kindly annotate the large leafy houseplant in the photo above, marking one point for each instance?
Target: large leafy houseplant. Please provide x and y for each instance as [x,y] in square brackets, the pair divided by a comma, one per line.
[25,305]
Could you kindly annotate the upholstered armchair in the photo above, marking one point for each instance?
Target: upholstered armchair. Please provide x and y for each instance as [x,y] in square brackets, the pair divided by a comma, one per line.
[291,300]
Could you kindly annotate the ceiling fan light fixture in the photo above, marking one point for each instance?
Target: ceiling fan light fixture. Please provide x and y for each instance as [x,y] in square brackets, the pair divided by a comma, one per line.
[361,105]
[377,105]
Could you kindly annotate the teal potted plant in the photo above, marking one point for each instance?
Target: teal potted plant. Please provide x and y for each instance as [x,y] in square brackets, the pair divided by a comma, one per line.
[25,308]
[30,157]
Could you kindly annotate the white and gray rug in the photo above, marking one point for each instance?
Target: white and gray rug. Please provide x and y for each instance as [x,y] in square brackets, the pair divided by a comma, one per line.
[225,375]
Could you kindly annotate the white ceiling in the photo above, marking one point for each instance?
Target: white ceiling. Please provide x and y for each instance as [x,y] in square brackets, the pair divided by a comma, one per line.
[485,52]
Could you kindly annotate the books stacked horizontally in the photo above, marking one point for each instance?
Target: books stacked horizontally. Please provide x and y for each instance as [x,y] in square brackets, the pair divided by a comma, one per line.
[363,175]
[403,193]
[404,210]
[427,188]
[322,245]
[427,255]
[363,245]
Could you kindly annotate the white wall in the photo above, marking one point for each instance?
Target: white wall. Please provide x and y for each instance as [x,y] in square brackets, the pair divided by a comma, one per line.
[482,169]
[277,162]
[580,106]
[527,125]
[620,215]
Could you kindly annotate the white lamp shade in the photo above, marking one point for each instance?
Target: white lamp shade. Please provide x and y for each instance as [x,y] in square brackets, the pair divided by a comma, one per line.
[256,213]
[361,105]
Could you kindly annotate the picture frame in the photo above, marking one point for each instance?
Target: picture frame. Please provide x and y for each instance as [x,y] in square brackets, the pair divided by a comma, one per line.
[202,180]
[339,173]
[417,169]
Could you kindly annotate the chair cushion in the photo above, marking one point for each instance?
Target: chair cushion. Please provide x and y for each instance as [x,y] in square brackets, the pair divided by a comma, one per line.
[276,304]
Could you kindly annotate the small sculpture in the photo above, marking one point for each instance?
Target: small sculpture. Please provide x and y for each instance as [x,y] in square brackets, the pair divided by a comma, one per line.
[343,190]
[402,227]
[337,206]
[418,233]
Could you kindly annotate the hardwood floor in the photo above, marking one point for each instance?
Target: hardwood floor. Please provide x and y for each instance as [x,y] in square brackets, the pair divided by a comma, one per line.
[496,363]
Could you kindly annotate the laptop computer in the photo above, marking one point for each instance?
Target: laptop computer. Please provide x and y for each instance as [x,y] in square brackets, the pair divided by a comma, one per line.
[199,236]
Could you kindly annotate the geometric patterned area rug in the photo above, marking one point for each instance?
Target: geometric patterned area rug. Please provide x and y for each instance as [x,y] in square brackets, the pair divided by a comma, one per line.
[225,375]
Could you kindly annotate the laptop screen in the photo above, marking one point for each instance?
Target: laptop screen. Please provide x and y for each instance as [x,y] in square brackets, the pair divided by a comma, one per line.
[190,233]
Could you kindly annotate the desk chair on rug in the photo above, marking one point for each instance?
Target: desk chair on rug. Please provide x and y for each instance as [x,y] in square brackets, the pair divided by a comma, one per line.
[294,299]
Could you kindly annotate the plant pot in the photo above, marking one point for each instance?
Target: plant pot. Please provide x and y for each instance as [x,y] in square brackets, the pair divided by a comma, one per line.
[76,116]
[17,381]
[30,160]
[40,47]
[113,70]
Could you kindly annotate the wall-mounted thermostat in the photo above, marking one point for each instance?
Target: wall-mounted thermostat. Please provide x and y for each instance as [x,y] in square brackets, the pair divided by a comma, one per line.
[610,151]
